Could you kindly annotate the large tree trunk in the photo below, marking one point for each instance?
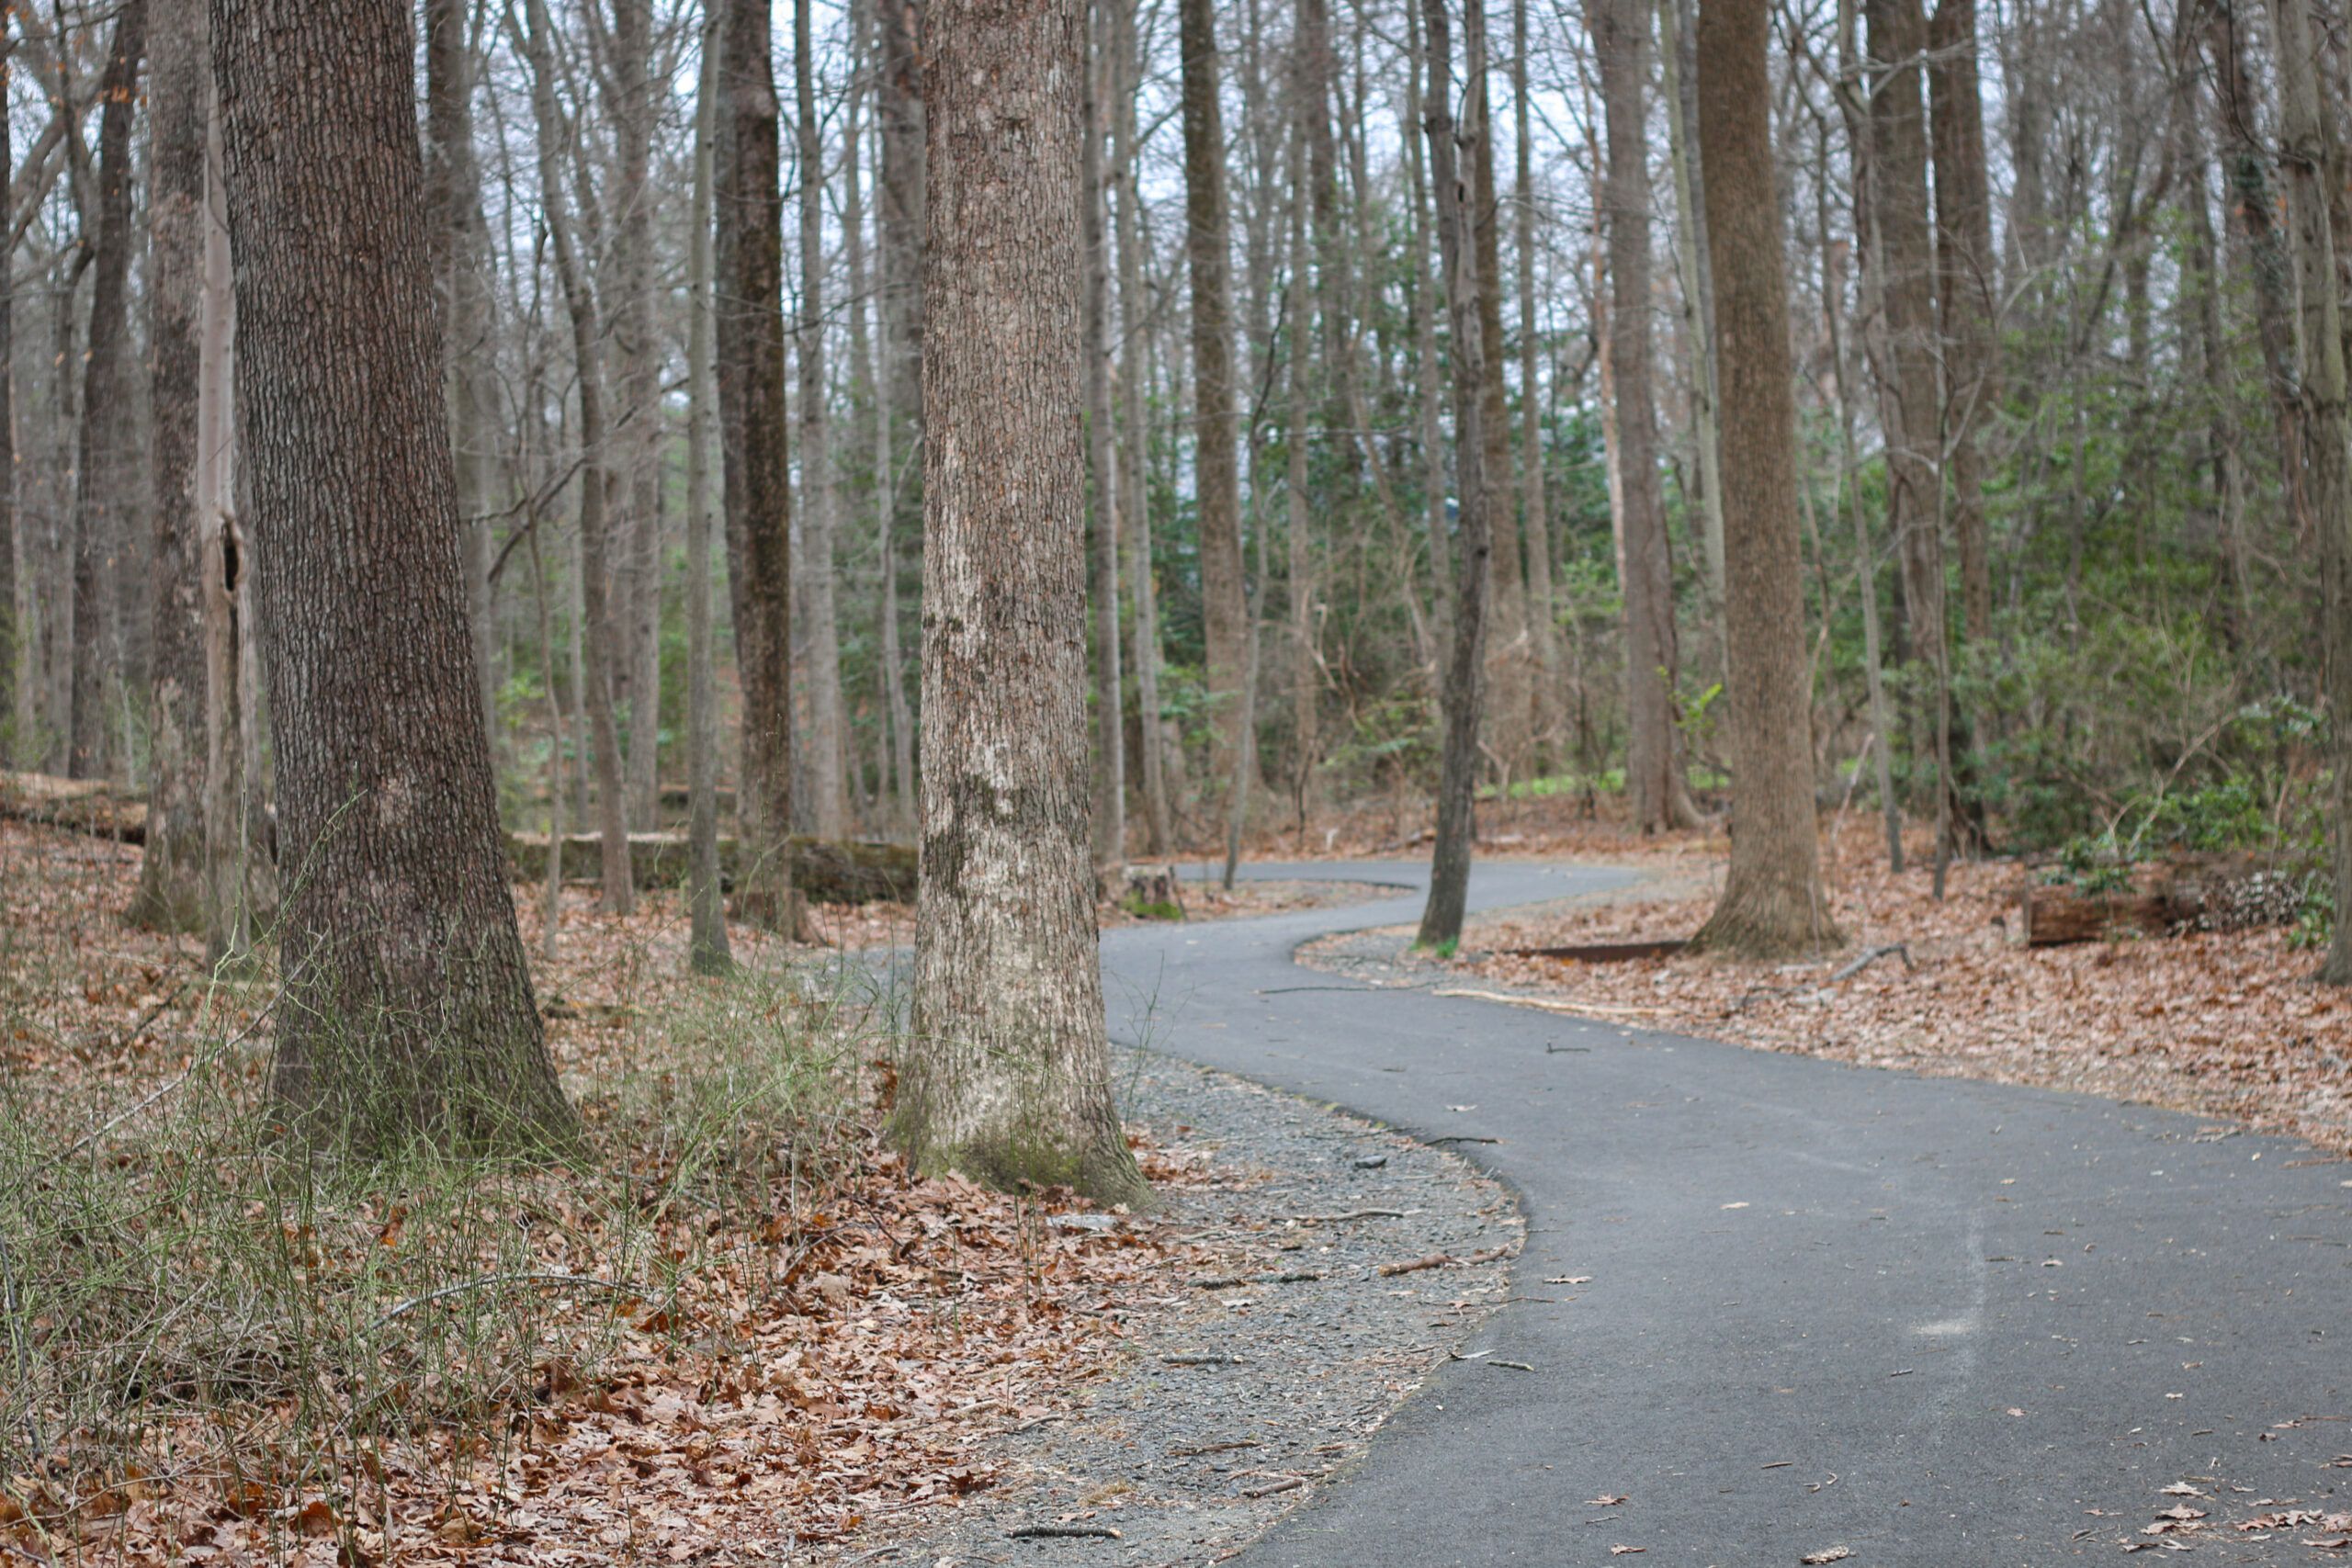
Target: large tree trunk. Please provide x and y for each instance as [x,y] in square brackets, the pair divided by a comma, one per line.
[1216,471]
[103,500]
[1463,694]
[828,808]
[750,287]
[1007,1075]
[408,1012]
[600,655]
[1965,286]
[2303,161]
[1772,904]
[1654,774]
[171,874]
[707,946]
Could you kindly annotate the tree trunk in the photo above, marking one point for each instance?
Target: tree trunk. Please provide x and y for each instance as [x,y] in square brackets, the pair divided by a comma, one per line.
[1965,285]
[1103,588]
[902,116]
[171,873]
[12,687]
[1550,720]
[828,808]
[749,293]
[1654,776]
[1007,1075]
[636,434]
[1505,708]
[1298,526]
[2303,161]
[1459,700]
[1697,312]
[1425,306]
[1218,475]
[1136,450]
[707,946]
[408,1013]
[1772,904]
[103,503]
[599,654]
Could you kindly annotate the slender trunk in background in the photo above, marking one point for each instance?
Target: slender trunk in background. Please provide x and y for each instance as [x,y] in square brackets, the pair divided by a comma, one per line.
[1621,30]
[1298,529]
[1428,304]
[1696,312]
[236,861]
[706,947]
[1218,475]
[171,873]
[1135,448]
[1771,905]
[1006,1074]
[1466,669]
[1103,586]
[11,719]
[1550,718]
[827,810]
[588,359]
[1505,708]
[879,804]
[2202,277]
[2303,163]
[462,276]
[749,295]
[638,433]
[1965,288]
[408,1012]
[552,886]
[103,503]
[902,115]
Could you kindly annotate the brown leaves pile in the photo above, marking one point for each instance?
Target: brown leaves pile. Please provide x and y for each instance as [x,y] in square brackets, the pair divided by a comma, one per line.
[2221,1024]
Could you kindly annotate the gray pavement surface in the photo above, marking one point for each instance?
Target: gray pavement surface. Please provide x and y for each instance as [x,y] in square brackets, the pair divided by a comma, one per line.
[1776,1306]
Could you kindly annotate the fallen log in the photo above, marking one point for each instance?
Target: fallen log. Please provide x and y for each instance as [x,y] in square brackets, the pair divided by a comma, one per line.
[96,806]
[2197,892]
[826,871]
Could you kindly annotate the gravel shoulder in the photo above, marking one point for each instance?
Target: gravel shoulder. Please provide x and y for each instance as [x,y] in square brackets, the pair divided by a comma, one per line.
[1243,1392]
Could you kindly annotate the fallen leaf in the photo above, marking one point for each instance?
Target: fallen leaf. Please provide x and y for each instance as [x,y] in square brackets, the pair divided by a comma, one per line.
[1586,1280]
[1604,1501]
[1828,1555]
[1734,1205]
[1621,1550]
[2180,1489]
[2015,1411]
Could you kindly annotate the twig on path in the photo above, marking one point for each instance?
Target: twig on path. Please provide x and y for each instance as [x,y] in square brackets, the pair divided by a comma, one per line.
[1865,960]
[1462,1138]
[1434,1260]
[1545,1003]
[1081,1532]
[1288,1484]
[1343,1219]
[1218,1359]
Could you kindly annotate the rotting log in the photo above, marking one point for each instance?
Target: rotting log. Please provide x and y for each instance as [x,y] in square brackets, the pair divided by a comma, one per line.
[94,807]
[827,872]
[2197,892]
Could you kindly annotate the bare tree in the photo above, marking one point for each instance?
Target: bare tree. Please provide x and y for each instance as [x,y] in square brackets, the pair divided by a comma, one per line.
[827,805]
[407,1010]
[1772,904]
[1007,1074]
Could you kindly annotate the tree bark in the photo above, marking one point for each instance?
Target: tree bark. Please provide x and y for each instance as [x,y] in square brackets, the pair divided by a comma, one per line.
[103,500]
[1007,1075]
[1697,313]
[1654,774]
[1550,721]
[707,946]
[1464,693]
[1506,710]
[11,657]
[636,434]
[408,1012]
[1772,904]
[1216,471]
[1102,587]
[1965,286]
[750,289]
[828,808]
[171,873]
[601,653]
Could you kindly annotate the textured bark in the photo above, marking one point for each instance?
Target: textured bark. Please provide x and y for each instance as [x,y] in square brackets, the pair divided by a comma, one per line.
[1298,526]
[600,636]
[10,688]
[1136,446]
[1507,715]
[2303,164]
[102,503]
[1772,904]
[1102,544]
[903,205]
[1698,312]
[1007,1074]
[1543,630]
[750,291]
[1654,776]
[828,807]
[1464,693]
[1965,286]
[171,873]
[1216,464]
[707,946]
[408,1011]
[637,434]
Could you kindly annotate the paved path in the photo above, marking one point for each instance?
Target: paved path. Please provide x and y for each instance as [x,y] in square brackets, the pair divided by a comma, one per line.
[1934,1322]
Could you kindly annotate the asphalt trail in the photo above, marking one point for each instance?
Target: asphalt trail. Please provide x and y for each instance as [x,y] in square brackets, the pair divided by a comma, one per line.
[1930,1321]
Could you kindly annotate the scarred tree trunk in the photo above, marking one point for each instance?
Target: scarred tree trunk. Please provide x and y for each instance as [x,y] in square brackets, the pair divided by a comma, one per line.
[1007,1075]
[408,1011]
[171,874]
[1216,466]
[1463,696]
[750,261]
[1772,904]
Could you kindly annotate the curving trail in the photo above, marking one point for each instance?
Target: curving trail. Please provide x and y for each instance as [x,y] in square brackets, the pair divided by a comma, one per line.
[1930,1321]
